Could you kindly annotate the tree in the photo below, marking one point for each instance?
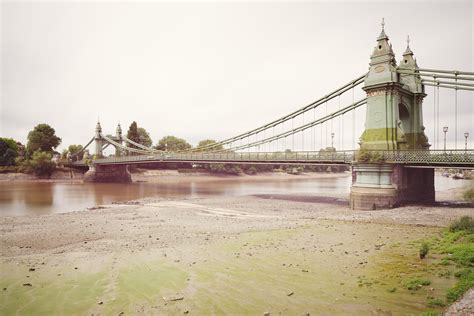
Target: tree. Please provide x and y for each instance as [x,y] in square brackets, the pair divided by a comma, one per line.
[143,137]
[208,142]
[172,143]
[71,150]
[132,133]
[41,163]
[8,151]
[43,138]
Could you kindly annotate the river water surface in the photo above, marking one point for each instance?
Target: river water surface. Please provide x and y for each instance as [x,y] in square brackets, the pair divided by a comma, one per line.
[35,198]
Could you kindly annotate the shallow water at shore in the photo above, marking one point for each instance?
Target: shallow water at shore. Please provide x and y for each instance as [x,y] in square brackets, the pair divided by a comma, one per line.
[37,198]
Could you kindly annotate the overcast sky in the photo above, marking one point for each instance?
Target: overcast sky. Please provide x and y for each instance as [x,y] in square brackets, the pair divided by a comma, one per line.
[210,70]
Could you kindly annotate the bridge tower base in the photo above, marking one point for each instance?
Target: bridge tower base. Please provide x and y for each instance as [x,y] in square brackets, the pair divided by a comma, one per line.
[384,186]
[108,174]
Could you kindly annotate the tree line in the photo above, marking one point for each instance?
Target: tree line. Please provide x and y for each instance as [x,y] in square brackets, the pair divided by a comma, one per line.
[40,157]
[36,157]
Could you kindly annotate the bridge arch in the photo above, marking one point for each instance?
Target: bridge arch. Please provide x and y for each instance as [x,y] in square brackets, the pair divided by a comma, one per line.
[404,118]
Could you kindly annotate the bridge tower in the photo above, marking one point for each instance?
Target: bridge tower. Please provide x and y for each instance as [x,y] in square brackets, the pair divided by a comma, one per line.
[107,173]
[99,141]
[118,139]
[394,118]
[394,121]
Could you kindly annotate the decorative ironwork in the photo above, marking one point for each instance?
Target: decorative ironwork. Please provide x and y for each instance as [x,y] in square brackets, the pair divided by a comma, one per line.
[406,157]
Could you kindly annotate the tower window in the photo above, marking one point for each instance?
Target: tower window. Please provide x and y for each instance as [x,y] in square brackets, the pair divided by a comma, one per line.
[380,46]
[406,61]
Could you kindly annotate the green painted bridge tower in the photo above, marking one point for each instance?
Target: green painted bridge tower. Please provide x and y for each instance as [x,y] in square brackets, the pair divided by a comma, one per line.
[394,102]
[394,121]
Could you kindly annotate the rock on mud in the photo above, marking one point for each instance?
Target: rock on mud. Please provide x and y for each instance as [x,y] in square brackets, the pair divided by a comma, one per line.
[173,298]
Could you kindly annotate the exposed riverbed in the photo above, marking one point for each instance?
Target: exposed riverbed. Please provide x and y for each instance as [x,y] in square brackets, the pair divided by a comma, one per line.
[270,251]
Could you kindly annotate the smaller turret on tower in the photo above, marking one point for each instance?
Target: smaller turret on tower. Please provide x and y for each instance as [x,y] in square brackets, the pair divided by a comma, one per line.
[98,140]
[118,131]
[118,138]
[98,130]
[411,81]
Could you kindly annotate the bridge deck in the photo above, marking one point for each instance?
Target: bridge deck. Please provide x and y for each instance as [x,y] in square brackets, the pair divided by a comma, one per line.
[449,158]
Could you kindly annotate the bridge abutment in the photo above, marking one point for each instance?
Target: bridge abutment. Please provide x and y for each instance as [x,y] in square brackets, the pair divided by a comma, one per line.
[108,174]
[385,186]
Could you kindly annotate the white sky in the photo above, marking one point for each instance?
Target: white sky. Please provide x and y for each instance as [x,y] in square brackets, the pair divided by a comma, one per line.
[210,70]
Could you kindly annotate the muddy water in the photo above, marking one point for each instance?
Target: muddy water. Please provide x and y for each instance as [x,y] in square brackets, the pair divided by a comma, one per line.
[35,198]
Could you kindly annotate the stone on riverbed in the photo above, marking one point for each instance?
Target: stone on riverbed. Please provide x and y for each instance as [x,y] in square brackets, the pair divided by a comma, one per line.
[173,298]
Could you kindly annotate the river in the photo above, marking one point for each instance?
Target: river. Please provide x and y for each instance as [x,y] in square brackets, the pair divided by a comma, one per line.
[37,198]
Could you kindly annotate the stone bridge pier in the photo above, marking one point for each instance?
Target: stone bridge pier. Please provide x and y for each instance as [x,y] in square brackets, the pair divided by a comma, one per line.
[108,174]
[382,186]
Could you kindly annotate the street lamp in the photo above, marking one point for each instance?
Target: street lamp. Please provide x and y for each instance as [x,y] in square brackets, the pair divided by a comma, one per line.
[332,141]
[445,130]
[466,135]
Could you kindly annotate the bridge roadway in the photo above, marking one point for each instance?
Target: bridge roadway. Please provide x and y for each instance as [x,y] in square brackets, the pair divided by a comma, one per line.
[419,158]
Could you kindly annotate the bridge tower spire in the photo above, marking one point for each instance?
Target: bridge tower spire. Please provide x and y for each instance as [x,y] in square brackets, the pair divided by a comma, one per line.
[118,139]
[99,141]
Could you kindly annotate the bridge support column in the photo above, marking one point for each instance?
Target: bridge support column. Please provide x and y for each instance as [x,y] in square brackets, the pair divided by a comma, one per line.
[384,186]
[108,174]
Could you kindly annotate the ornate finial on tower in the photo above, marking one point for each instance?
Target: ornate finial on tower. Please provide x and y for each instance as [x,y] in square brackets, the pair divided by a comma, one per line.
[408,50]
[382,34]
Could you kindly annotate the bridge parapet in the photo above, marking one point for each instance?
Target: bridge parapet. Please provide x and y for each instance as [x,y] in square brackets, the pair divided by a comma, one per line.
[432,158]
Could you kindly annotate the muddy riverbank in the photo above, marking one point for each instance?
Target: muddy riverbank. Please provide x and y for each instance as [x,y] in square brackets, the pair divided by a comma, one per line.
[222,255]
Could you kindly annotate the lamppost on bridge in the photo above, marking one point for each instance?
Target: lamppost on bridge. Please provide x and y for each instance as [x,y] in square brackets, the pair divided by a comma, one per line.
[332,141]
[445,130]
[466,135]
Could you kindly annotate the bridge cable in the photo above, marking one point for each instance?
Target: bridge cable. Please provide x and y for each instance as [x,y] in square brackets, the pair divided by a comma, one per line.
[83,148]
[302,135]
[434,115]
[437,119]
[456,113]
[319,121]
[293,114]
[326,124]
[292,135]
[353,123]
[314,130]
[340,118]
[124,147]
[141,145]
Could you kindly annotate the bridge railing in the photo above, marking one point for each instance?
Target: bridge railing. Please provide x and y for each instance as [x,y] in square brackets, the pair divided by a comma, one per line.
[301,156]
[413,157]
[429,157]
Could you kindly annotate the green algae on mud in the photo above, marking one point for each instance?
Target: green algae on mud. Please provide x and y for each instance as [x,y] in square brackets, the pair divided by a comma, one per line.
[326,266]
[332,275]
[136,283]
[143,284]
[51,295]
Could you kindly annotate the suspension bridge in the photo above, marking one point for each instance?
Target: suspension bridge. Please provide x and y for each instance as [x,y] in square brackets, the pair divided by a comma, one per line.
[392,161]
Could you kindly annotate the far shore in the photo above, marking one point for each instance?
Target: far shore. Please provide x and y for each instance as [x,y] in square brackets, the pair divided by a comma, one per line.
[165,175]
